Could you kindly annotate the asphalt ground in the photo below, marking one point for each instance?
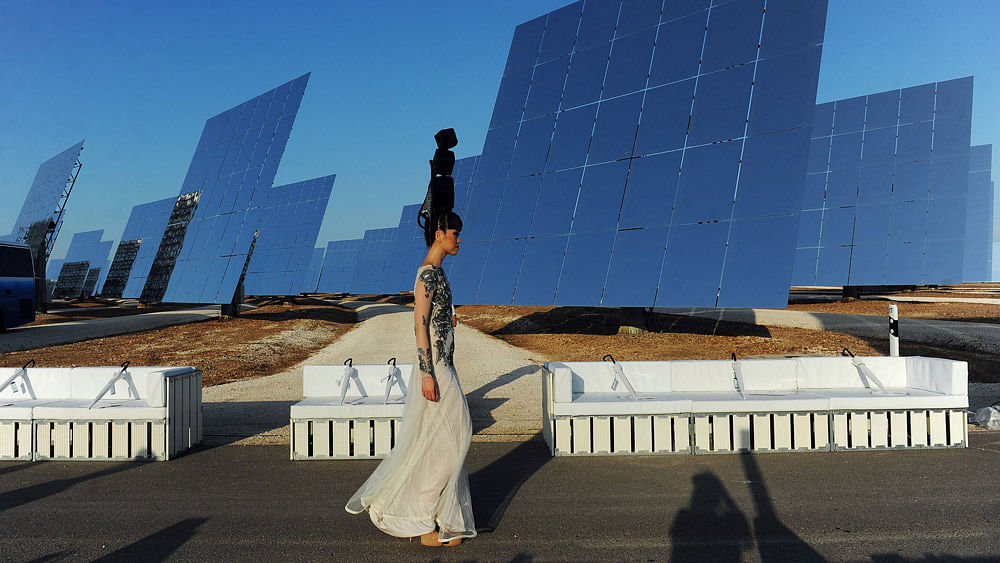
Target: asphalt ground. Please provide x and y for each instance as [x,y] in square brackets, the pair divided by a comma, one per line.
[251,503]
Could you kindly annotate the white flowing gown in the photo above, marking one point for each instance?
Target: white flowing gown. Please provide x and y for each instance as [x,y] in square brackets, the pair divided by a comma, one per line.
[422,485]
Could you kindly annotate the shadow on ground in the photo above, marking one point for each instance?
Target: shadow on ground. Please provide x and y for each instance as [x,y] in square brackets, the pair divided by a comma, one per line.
[226,422]
[607,321]
[495,486]
[482,408]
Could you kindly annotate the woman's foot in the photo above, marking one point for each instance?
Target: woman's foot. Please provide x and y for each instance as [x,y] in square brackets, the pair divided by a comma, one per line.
[453,543]
[431,539]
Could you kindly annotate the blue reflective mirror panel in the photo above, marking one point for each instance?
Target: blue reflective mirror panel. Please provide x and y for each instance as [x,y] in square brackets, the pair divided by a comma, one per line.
[464,172]
[524,46]
[916,104]
[908,221]
[849,115]
[834,264]
[532,146]
[629,63]
[791,25]
[814,194]
[954,98]
[692,267]
[952,135]
[571,139]
[338,265]
[765,189]
[497,151]
[810,226]
[480,217]
[556,202]
[597,24]
[720,105]
[637,15]
[511,98]
[536,282]
[904,263]
[560,32]
[868,264]
[819,154]
[600,197]
[586,75]
[614,132]
[663,125]
[946,219]
[823,120]
[679,8]
[845,151]
[757,269]
[678,49]
[733,32]
[949,177]
[707,183]
[871,225]
[652,186]
[777,101]
[585,269]
[842,188]
[466,271]
[500,274]
[517,207]
[913,142]
[883,110]
[911,181]
[879,147]
[636,262]
[942,264]
[804,268]
[546,88]
[838,227]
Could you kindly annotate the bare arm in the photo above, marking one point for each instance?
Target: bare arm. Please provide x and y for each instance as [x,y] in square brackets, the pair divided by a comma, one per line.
[422,295]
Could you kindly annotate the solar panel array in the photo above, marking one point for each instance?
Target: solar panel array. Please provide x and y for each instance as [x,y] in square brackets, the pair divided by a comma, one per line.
[979,216]
[408,251]
[233,167]
[645,153]
[137,248]
[288,223]
[42,204]
[886,192]
[169,248]
[371,267]
[310,281]
[86,257]
[338,266]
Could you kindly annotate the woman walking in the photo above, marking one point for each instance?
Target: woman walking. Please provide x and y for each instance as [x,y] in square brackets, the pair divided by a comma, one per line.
[421,488]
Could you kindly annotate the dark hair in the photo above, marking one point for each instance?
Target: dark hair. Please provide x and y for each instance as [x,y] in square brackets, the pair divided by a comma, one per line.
[441,221]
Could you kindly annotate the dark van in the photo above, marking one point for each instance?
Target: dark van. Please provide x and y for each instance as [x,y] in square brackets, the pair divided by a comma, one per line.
[17,285]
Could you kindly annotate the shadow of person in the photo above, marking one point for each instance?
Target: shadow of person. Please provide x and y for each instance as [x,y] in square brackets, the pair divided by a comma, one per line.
[494,486]
[481,408]
[774,540]
[711,527]
[157,546]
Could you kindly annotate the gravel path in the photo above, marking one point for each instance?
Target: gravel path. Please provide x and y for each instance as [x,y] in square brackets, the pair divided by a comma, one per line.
[502,383]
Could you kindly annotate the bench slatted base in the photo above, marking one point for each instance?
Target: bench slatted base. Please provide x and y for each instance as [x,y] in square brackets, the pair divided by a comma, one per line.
[338,438]
[15,439]
[95,440]
[623,435]
[761,432]
[884,430]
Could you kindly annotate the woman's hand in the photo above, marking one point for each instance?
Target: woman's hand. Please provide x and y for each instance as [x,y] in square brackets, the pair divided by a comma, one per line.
[429,387]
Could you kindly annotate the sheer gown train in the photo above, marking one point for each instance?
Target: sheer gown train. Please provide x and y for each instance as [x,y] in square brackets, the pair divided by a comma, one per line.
[422,485]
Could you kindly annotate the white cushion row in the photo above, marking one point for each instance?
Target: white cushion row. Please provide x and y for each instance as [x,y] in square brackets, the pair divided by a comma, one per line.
[770,385]
[362,395]
[67,393]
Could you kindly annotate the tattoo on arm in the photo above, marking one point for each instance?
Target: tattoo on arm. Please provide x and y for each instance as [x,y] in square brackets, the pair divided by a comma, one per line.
[424,357]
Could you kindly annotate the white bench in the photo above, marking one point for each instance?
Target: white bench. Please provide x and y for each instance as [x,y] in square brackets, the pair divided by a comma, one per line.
[717,406]
[349,411]
[99,413]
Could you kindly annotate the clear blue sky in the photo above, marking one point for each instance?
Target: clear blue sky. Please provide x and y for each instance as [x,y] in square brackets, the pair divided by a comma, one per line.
[139,79]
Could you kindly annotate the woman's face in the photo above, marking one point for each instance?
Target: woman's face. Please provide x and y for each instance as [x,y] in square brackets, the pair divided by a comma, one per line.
[449,240]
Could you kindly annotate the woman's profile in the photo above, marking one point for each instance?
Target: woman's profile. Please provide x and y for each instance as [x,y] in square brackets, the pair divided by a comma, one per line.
[421,488]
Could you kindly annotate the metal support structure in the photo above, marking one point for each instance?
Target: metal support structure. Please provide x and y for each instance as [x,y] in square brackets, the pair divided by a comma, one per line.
[893,330]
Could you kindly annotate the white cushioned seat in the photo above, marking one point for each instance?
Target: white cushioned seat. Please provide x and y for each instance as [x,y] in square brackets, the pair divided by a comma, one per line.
[895,399]
[78,409]
[774,401]
[330,407]
[598,404]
